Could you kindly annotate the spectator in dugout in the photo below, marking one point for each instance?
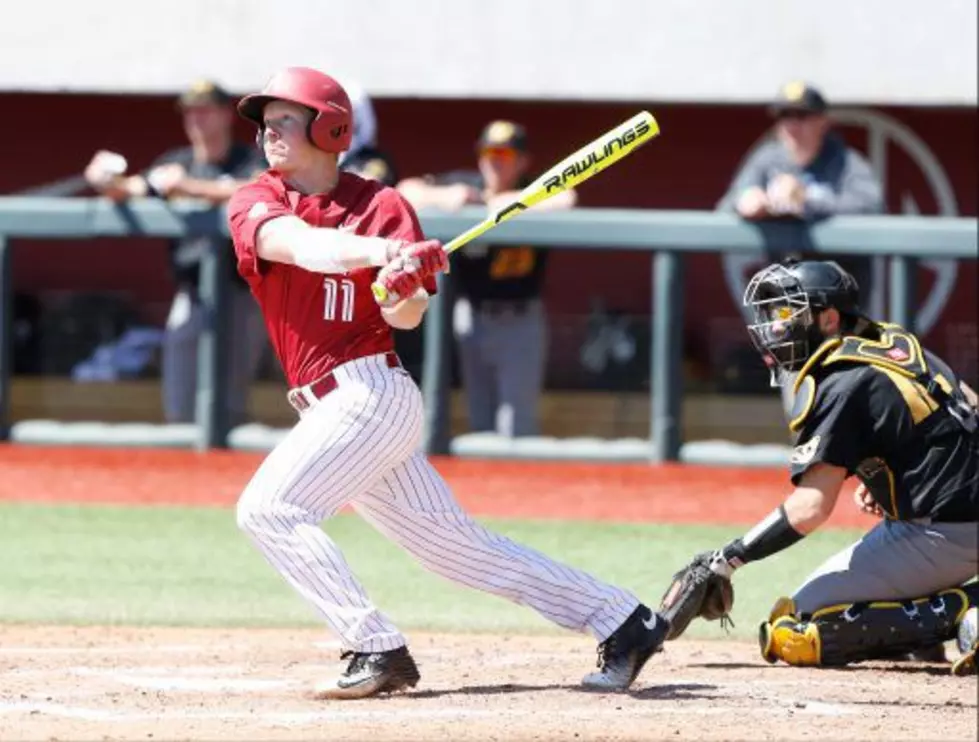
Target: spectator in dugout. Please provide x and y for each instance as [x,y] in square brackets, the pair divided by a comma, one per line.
[498,318]
[211,167]
[806,171]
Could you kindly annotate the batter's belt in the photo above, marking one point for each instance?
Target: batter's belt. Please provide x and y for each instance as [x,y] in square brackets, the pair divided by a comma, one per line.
[303,397]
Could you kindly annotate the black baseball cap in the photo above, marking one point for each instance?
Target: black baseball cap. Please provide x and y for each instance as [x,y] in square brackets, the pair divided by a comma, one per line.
[204,93]
[503,135]
[798,97]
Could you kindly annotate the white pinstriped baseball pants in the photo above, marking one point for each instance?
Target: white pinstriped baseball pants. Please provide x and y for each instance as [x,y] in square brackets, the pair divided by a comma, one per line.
[359,446]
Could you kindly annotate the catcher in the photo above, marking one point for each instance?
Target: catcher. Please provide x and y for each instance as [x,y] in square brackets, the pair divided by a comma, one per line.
[869,401]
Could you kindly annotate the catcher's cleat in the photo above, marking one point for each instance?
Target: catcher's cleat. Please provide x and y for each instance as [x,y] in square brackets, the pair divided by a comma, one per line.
[790,640]
[621,657]
[371,673]
[935,653]
[967,640]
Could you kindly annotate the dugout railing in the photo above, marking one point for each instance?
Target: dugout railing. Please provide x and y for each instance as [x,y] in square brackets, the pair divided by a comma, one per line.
[668,234]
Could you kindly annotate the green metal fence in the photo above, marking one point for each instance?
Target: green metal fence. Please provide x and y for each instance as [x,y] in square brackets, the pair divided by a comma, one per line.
[669,234]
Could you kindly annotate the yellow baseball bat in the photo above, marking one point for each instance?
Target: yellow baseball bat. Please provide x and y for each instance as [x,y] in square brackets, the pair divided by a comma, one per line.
[572,171]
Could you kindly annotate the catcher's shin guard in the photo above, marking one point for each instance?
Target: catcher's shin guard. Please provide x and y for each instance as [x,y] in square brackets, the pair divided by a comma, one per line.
[841,634]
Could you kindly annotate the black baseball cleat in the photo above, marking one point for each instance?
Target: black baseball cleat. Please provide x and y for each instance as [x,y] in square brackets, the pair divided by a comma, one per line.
[371,673]
[621,657]
[934,653]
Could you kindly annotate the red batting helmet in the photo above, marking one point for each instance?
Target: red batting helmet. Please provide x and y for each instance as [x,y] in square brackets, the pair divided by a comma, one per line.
[331,127]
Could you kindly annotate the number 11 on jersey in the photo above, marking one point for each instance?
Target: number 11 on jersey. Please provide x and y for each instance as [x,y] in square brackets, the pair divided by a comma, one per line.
[338,294]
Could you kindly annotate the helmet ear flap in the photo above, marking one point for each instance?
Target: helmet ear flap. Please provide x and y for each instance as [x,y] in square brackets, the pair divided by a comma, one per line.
[314,117]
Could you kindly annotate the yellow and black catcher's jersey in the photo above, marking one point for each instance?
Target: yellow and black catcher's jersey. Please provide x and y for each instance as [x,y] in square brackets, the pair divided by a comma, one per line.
[892,414]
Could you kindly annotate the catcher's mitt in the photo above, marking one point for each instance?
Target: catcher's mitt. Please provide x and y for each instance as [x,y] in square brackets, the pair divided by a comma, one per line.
[697,590]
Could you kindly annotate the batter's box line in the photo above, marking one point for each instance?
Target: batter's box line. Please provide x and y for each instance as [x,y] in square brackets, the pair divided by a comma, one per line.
[399,716]
[180,683]
[135,670]
[126,649]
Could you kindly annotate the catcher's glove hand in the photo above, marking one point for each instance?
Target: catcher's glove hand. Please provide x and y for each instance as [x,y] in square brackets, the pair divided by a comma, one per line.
[702,588]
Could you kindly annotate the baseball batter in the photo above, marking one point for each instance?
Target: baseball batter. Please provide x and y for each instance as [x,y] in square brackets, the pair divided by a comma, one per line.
[310,240]
[869,402]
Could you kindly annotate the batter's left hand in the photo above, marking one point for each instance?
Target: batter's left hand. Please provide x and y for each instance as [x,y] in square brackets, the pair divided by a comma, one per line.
[428,257]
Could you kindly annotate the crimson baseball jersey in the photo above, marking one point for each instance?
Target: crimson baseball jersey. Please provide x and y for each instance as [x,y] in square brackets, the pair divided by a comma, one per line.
[317,321]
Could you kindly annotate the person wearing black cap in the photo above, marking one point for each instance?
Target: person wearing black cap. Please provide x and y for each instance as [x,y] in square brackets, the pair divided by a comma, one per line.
[211,168]
[498,318]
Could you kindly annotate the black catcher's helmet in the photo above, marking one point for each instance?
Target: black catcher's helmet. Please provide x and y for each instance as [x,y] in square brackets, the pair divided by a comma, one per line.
[784,300]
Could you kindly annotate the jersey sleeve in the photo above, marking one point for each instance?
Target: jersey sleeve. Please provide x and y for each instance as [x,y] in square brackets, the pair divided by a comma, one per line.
[250,207]
[401,223]
[832,432]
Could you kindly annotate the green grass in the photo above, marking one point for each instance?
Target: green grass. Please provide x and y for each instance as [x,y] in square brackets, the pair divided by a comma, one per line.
[191,566]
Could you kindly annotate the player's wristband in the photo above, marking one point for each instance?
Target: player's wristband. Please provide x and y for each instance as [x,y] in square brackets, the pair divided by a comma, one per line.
[770,536]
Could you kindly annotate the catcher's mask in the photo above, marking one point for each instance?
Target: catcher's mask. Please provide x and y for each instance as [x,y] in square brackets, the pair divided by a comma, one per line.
[785,301]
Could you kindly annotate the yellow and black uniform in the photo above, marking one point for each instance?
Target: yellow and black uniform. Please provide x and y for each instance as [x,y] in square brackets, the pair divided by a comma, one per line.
[493,275]
[894,415]
[501,329]
[872,401]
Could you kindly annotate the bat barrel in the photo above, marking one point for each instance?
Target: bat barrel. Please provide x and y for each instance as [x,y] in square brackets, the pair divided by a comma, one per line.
[571,172]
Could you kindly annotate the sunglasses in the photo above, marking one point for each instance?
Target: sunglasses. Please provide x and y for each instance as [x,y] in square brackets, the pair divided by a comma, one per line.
[499,153]
[795,115]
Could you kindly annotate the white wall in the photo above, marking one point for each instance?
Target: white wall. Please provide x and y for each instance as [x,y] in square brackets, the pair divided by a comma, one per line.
[867,51]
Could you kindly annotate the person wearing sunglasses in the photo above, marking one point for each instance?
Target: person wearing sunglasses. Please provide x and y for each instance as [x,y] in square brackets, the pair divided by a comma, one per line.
[498,317]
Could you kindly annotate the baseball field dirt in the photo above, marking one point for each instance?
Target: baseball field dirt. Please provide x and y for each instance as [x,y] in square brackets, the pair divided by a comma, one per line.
[176,683]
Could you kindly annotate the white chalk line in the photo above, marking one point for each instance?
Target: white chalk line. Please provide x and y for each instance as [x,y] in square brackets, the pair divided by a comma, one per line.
[205,678]
[220,679]
[122,649]
[199,681]
[326,648]
[184,683]
[185,670]
[335,714]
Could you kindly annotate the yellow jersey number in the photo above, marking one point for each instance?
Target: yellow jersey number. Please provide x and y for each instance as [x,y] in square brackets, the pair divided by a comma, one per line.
[512,262]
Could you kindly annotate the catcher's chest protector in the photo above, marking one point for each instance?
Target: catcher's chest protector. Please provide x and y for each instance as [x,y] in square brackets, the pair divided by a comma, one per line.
[899,355]
[935,406]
